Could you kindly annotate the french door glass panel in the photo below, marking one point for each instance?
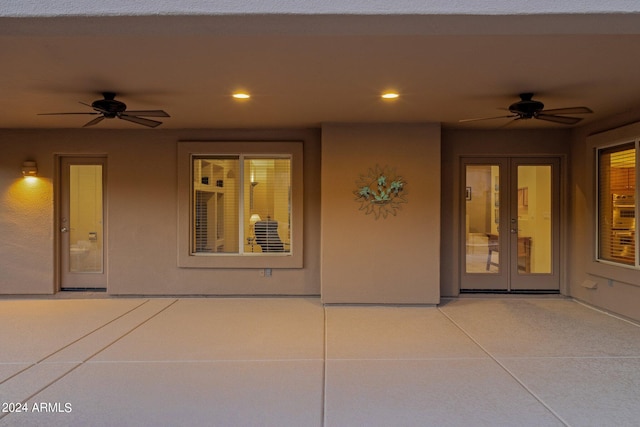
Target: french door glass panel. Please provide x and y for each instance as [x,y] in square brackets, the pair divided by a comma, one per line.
[535,220]
[482,218]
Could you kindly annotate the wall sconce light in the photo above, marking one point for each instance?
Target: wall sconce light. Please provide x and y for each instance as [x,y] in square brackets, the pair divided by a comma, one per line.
[29,169]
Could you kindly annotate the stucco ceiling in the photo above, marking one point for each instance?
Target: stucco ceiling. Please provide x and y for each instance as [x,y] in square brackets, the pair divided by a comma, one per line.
[303,71]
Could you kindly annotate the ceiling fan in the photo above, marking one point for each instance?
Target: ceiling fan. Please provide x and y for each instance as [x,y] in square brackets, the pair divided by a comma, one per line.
[109,108]
[528,108]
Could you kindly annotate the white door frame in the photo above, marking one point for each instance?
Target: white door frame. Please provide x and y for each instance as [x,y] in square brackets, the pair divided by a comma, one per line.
[66,280]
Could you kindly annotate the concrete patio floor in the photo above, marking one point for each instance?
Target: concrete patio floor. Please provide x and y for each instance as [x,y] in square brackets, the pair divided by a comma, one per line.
[293,362]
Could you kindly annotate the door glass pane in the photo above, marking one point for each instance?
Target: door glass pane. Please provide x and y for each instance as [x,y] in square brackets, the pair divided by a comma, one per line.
[534,248]
[482,217]
[85,219]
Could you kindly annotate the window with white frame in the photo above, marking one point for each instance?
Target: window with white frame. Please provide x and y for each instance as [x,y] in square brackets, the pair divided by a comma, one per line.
[240,204]
[618,204]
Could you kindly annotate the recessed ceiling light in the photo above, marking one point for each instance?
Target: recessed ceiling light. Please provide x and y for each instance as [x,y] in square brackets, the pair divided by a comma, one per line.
[390,95]
[241,95]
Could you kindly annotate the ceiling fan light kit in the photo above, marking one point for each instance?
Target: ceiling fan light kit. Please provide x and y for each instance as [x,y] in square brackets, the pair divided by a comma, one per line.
[528,108]
[109,108]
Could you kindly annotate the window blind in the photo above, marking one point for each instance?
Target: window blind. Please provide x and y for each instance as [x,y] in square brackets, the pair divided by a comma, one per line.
[617,204]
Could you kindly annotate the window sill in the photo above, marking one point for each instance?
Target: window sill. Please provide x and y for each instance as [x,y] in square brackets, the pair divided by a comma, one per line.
[627,274]
[239,261]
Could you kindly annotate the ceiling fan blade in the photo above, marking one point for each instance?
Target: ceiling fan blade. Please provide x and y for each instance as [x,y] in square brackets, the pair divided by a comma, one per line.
[62,114]
[510,123]
[147,113]
[140,120]
[94,121]
[559,119]
[487,118]
[568,110]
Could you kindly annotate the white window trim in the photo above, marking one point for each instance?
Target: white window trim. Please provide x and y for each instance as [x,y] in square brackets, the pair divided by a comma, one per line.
[186,152]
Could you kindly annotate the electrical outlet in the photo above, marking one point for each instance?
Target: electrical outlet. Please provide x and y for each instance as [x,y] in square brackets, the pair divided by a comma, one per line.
[265,272]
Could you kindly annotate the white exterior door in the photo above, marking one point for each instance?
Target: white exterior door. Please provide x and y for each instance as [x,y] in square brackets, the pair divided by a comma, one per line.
[81,224]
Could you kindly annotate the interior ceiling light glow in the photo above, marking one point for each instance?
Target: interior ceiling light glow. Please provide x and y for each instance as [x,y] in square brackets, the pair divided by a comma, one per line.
[390,95]
[241,95]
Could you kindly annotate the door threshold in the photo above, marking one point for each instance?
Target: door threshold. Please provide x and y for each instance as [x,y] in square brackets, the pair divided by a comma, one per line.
[511,292]
[81,293]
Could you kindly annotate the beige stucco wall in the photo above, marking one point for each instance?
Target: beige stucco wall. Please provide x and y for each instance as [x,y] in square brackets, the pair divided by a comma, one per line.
[361,257]
[26,218]
[141,214]
[387,260]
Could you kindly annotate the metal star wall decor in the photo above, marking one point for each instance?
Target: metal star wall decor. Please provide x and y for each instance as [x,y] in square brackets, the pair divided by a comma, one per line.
[381,192]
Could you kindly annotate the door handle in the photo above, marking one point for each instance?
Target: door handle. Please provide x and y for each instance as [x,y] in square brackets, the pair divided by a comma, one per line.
[64,230]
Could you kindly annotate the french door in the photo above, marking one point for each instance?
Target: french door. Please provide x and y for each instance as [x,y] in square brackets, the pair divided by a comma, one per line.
[511,224]
[81,225]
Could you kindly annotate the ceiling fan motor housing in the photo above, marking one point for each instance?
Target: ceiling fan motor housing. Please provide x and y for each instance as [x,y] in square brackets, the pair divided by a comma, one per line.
[526,108]
[109,107]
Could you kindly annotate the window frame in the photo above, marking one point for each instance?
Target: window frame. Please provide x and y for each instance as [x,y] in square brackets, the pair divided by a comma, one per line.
[187,151]
[622,145]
